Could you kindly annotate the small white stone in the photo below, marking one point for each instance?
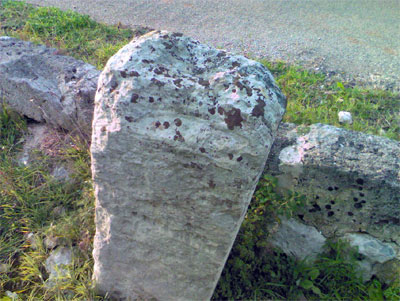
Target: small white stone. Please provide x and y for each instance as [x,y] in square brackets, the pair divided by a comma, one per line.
[345,117]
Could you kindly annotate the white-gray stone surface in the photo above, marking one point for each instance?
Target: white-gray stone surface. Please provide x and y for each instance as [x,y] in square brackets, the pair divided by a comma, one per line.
[57,264]
[41,84]
[181,133]
[297,239]
[375,255]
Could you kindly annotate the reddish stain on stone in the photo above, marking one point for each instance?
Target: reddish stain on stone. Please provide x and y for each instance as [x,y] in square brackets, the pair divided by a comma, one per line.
[178,137]
[258,110]
[178,122]
[166,124]
[233,118]
[133,73]
[134,98]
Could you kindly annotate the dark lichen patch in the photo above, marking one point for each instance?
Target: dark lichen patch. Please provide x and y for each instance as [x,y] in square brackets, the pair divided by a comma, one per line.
[230,156]
[123,74]
[258,110]
[358,205]
[204,83]
[114,85]
[211,184]
[239,159]
[133,73]
[350,213]
[355,199]
[360,181]
[134,98]
[328,206]
[332,202]
[168,45]
[316,207]
[147,61]
[235,64]
[361,194]
[103,129]
[233,118]
[161,70]
[221,54]
[151,99]
[157,82]
[157,124]
[330,213]
[178,122]
[211,111]
[177,82]
[177,35]
[202,149]
[178,136]
[330,188]
[192,165]
[129,118]
[166,124]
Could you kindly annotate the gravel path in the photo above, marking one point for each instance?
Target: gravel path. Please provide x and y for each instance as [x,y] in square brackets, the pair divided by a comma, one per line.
[357,40]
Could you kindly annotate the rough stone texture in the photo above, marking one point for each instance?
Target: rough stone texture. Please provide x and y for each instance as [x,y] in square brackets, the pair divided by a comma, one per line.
[56,264]
[41,137]
[42,85]
[181,133]
[297,239]
[345,117]
[351,180]
[375,254]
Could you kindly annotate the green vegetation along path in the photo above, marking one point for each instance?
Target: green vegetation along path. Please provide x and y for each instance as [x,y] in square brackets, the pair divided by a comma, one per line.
[358,40]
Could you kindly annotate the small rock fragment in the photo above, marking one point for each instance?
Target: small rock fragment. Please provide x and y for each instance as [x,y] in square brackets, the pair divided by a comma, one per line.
[345,117]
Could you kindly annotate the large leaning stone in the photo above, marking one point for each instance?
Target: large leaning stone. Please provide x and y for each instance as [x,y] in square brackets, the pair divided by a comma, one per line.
[41,84]
[181,133]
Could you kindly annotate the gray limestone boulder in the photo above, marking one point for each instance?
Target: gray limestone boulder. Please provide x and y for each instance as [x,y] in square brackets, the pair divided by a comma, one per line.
[41,84]
[350,179]
[296,239]
[181,133]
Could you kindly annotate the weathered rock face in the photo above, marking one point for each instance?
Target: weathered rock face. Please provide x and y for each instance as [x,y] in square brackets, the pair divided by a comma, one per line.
[181,133]
[377,258]
[351,179]
[297,239]
[44,86]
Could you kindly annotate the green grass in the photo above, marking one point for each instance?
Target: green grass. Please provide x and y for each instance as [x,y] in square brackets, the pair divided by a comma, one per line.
[74,34]
[31,199]
[312,98]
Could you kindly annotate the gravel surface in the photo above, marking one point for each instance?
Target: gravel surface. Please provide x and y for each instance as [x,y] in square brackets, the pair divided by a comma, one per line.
[357,40]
